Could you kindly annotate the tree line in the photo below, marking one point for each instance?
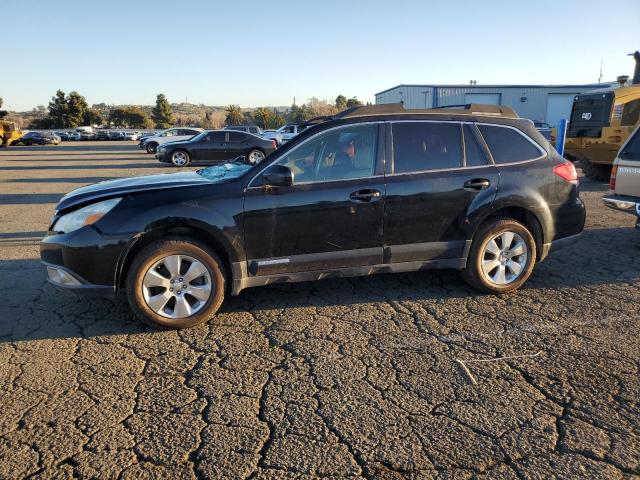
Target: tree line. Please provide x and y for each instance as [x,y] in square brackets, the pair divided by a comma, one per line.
[267,118]
[72,110]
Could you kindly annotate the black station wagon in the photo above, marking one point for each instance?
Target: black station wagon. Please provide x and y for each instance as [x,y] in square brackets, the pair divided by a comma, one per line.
[374,189]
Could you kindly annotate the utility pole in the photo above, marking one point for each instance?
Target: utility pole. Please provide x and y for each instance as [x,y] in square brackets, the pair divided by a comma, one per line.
[600,76]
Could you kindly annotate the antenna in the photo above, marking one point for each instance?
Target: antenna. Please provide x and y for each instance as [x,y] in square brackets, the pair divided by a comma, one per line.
[600,76]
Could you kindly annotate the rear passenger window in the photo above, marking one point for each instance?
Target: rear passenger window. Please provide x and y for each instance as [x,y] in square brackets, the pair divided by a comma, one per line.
[236,137]
[422,146]
[507,145]
[473,153]
[216,137]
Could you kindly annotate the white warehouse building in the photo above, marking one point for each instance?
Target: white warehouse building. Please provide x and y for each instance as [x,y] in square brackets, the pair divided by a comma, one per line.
[544,103]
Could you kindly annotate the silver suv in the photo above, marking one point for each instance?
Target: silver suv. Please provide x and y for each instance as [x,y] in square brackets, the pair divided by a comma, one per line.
[625,178]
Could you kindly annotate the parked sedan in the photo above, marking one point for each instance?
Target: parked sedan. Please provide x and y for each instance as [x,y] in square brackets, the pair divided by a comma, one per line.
[116,135]
[150,144]
[39,138]
[64,136]
[102,135]
[131,135]
[216,146]
[246,128]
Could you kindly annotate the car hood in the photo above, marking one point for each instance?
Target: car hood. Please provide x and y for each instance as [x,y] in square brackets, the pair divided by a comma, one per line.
[124,186]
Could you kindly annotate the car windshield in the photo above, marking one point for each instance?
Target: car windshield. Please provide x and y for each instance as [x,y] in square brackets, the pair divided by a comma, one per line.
[229,170]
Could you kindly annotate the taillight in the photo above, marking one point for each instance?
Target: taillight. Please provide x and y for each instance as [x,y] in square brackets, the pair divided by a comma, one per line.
[612,178]
[274,144]
[566,171]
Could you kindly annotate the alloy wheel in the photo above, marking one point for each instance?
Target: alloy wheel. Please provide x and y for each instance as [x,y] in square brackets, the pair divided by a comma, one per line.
[256,156]
[504,258]
[177,286]
[179,159]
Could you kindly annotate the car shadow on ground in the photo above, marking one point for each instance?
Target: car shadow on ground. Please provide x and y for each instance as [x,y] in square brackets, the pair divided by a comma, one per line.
[68,148]
[59,180]
[106,166]
[36,310]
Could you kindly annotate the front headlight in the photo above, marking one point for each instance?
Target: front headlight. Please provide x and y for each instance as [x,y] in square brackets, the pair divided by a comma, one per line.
[84,216]
[162,148]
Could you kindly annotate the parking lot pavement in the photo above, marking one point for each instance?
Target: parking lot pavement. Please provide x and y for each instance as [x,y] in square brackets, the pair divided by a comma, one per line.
[340,378]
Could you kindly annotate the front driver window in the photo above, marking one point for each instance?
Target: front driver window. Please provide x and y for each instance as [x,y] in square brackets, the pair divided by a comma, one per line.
[340,154]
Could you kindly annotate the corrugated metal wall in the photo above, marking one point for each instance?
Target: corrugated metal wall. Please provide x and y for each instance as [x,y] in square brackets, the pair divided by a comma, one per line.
[534,105]
[412,96]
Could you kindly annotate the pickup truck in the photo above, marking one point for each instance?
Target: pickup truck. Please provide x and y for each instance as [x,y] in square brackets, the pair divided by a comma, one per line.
[283,134]
[625,178]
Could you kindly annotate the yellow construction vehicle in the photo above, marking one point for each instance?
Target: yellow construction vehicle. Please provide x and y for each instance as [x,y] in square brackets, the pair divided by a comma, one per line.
[9,133]
[600,122]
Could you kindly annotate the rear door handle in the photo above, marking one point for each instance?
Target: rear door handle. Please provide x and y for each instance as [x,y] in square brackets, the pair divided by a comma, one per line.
[364,196]
[476,184]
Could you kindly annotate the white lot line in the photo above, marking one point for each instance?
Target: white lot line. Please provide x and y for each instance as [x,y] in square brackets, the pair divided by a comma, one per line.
[482,360]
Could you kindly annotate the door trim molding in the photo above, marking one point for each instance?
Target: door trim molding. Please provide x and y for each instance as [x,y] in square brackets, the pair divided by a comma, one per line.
[242,278]
[241,281]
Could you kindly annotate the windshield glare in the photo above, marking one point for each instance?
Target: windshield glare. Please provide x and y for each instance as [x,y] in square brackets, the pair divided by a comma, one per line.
[226,171]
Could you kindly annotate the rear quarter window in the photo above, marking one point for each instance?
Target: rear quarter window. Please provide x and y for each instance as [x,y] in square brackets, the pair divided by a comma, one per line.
[508,145]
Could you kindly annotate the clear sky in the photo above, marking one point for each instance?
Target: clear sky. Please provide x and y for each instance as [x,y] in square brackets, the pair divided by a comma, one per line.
[266,52]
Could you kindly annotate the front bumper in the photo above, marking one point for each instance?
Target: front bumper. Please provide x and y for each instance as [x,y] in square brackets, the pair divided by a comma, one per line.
[161,156]
[65,279]
[623,203]
[85,261]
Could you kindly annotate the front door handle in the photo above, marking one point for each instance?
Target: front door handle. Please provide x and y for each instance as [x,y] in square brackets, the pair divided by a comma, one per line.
[364,196]
[476,184]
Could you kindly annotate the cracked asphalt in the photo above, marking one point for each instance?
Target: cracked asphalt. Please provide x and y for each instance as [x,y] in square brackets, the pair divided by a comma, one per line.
[335,379]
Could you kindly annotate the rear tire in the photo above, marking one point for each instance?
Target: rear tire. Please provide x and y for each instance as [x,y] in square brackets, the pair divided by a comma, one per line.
[156,295]
[595,172]
[152,147]
[502,256]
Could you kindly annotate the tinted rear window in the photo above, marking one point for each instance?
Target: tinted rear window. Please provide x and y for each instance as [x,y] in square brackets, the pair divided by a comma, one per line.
[508,145]
[631,151]
[216,137]
[237,137]
[426,146]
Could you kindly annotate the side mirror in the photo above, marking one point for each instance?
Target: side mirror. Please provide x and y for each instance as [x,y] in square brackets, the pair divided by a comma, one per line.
[278,176]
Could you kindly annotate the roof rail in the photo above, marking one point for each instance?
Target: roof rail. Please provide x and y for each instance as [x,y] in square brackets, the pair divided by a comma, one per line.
[398,108]
[482,109]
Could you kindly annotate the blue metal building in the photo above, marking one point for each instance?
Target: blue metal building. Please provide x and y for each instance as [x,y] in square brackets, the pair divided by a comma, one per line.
[545,103]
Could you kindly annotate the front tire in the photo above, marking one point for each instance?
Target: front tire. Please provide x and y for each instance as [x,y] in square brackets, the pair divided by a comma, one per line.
[176,283]
[594,171]
[255,156]
[180,158]
[502,257]
[152,147]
